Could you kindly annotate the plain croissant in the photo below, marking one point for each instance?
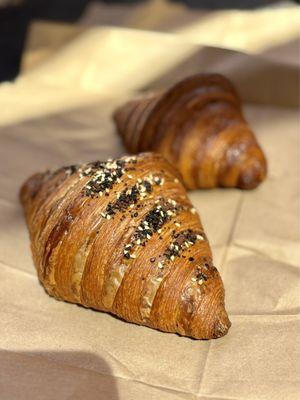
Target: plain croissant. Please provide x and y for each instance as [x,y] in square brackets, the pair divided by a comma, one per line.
[198,125]
[122,236]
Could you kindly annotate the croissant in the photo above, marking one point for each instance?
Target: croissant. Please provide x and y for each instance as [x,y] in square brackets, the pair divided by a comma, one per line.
[198,125]
[122,236]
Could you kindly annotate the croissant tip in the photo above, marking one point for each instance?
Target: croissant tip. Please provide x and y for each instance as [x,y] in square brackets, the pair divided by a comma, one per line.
[30,187]
[252,176]
[115,114]
[221,327]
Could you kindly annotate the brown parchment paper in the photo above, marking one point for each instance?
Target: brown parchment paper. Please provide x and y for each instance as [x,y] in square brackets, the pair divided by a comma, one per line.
[60,113]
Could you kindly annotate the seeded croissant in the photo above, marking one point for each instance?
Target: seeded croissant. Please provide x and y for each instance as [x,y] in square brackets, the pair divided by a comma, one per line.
[198,125]
[122,236]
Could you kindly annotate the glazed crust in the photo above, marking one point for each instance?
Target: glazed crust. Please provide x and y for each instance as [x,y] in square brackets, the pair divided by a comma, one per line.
[122,236]
[198,125]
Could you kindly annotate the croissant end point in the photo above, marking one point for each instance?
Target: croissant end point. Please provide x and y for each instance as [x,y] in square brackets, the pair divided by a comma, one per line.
[252,175]
[222,325]
[115,115]
[30,188]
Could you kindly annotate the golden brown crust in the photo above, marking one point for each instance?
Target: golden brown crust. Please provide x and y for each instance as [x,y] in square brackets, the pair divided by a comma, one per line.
[122,236]
[198,125]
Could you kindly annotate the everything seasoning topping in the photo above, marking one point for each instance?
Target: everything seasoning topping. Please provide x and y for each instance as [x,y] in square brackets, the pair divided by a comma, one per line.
[152,223]
[199,278]
[71,169]
[200,275]
[103,174]
[128,197]
[104,177]
[183,240]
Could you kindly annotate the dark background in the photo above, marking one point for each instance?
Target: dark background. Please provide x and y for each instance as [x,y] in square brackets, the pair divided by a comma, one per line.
[15,19]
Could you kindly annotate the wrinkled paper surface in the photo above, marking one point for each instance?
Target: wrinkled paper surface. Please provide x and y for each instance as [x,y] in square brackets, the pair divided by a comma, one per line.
[59,113]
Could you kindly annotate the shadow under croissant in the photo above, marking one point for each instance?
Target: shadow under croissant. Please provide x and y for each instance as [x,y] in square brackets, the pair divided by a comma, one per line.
[55,375]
